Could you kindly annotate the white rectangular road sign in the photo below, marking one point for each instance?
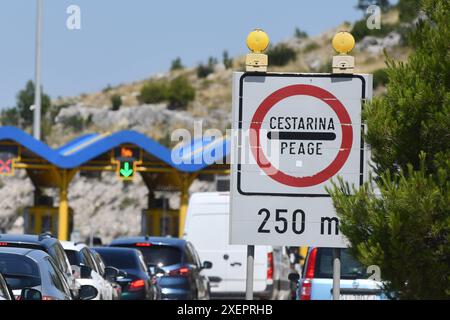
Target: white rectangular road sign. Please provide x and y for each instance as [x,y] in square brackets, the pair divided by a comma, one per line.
[295,134]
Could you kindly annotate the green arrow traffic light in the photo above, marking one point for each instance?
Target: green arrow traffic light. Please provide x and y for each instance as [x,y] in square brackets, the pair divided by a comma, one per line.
[125,170]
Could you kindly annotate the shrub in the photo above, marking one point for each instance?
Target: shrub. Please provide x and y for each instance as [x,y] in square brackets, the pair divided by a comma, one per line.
[281,55]
[9,117]
[154,92]
[409,10]
[180,93]
[116,102]
[226,60]
[300,34]
[176,64]
[204,70]
[107,88]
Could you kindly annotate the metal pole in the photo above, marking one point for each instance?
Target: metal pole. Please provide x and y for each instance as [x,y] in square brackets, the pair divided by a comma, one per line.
[250,267]
[37,82]
[336,273]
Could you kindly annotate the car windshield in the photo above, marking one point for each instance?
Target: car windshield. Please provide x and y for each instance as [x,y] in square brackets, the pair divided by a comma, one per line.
[19,271]
[119,259]
[74,257]
[161,255]
[350,268]
[157,255]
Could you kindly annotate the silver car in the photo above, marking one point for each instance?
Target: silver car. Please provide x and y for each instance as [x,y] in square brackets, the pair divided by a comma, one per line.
[36,272]
[5,293]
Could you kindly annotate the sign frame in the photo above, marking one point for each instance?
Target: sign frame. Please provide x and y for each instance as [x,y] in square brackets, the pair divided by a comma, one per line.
[296,75]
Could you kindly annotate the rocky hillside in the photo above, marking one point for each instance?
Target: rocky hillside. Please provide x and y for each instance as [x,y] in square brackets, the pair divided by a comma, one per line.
[102,207]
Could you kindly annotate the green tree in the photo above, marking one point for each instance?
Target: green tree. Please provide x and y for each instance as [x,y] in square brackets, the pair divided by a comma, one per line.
[176,64]
[364,4]
[226,60]
[400,221]
[180,93]
[25,99]
[204,70]
[9,117]
[281,55]
[116,102]
[300,34]
[408,9]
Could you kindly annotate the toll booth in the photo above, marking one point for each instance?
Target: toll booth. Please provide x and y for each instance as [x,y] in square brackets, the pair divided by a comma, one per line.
[40,219]
[128,154]
[160,220]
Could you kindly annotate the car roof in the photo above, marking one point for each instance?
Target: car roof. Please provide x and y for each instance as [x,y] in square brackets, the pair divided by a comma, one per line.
[115,249]
[35,254]
[70,245]
[44,240]
[174,242]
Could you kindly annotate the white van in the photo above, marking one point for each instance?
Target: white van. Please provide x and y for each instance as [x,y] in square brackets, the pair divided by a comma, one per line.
[207,229]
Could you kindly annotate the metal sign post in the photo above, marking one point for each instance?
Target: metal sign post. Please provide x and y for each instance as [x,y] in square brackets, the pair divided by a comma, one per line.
[250,269]
[336,273]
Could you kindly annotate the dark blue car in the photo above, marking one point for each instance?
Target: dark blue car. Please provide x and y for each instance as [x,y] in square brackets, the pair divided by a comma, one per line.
[176,264]
[135,281]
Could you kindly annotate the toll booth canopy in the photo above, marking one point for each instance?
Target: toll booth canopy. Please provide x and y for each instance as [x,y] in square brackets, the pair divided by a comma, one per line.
[127,153]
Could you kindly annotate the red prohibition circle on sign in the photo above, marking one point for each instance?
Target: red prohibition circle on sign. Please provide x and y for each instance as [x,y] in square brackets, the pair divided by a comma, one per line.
[333,167]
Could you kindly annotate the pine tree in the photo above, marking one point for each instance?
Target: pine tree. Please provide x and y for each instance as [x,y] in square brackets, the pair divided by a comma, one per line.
[401,220]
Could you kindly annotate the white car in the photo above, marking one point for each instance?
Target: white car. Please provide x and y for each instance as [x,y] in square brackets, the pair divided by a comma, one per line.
[80,255]
[207,228]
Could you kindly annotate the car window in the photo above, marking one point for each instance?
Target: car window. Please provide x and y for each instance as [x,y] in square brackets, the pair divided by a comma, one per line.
[142,261]
[56,277]
[350,268]
[19,271]
[99,261]
[196,256]
[74,257]
[87,259]
[59,257]
[188,257]
[4,293]
[161,255]
[119,259]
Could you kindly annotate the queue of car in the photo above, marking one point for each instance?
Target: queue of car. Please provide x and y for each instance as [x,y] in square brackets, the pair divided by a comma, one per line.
[201,265]
[40,267]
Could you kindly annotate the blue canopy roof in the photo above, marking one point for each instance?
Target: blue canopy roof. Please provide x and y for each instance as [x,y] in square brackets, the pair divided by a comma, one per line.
[190,157]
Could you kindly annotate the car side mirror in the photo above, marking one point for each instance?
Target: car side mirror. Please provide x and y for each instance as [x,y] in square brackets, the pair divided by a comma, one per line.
[85,272]
[87,292]
[30,294]
[207,265]
[111,273]
[76,271]
[294,277]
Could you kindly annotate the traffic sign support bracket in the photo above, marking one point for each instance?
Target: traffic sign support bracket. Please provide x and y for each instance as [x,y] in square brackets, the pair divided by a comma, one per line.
[336,273]
[250,271]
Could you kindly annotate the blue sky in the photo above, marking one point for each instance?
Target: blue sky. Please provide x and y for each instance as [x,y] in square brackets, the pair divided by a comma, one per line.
[122,41]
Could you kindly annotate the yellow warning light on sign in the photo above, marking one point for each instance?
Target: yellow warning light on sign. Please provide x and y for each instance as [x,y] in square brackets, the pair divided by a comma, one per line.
[257,41]
[343,42]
